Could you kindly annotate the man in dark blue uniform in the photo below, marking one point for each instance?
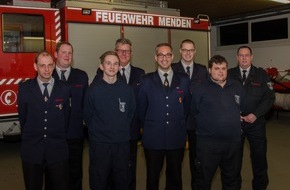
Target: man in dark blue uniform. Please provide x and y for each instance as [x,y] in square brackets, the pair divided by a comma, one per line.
[131,75]
[163,105]
[78,82]
[43,107]
[109,109]
[216,106]
[260,98]
[197,74]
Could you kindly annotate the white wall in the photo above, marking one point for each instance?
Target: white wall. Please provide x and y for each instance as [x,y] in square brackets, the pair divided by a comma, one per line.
[274,53]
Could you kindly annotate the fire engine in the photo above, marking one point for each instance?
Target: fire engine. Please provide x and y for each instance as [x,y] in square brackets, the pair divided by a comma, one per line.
[281,85]
[30,26]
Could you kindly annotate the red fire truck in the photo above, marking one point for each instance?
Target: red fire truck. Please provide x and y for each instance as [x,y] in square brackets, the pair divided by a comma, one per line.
[92,27]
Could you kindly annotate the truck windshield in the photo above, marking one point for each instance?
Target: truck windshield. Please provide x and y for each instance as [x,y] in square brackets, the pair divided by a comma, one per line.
[23,33]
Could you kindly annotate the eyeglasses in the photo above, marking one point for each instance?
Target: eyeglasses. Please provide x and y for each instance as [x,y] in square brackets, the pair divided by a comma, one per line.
[121,51]
[187,50]
[160,55]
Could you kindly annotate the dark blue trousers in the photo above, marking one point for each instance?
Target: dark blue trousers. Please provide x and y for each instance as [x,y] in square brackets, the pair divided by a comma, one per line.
[256,135]
[192,155]
[75,163]
[56,175]
[214,154]
[109,161]
[154,164]
[133,164]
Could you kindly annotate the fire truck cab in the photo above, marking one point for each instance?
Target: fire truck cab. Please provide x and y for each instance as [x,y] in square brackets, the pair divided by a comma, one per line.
[24,31]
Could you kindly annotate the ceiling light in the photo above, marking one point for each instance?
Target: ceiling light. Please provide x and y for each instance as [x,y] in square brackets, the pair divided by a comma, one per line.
[282,1]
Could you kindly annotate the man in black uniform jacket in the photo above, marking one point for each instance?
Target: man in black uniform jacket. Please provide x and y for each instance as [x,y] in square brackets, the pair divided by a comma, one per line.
[197,74]
[43,107]
[109,109]
[216,106]
[132,76]
[78,82]
[260,98]
[163,106]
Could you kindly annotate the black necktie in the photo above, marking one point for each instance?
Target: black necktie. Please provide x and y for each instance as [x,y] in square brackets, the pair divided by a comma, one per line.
[45,92]
[123,75]
[188,71]
[244,76]
[62,76]
[166,82]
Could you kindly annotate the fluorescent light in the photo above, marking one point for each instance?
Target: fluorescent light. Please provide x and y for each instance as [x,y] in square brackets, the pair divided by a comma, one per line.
[282,1]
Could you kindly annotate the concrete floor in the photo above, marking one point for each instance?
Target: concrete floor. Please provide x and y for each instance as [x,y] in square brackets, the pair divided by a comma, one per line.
[278,132]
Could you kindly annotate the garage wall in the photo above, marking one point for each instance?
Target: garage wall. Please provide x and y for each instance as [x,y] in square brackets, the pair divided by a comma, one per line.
[98,38]
[144,40]
[271,53]
[91,44]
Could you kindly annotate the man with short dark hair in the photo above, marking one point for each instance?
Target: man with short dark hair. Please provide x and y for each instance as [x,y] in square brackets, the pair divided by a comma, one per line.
[197,74]
[216,106]
[78,81]
[163,103]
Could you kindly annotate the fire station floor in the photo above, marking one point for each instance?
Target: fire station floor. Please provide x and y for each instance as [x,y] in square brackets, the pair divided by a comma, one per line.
[278,133]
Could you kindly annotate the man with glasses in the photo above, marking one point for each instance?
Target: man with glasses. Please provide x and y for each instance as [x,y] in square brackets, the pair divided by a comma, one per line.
[197,74]
[131,75]
[163,103]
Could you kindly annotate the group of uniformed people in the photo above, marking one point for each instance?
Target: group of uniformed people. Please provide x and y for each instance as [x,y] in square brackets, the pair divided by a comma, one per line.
[213,109]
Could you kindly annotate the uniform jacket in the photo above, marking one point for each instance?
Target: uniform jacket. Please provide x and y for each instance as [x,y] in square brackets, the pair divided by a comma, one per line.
[134,82]
[198,76]
[43,124]
[199,73]
[217,110]
[164,112]
[259,91]
[109,109]
[78,82]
